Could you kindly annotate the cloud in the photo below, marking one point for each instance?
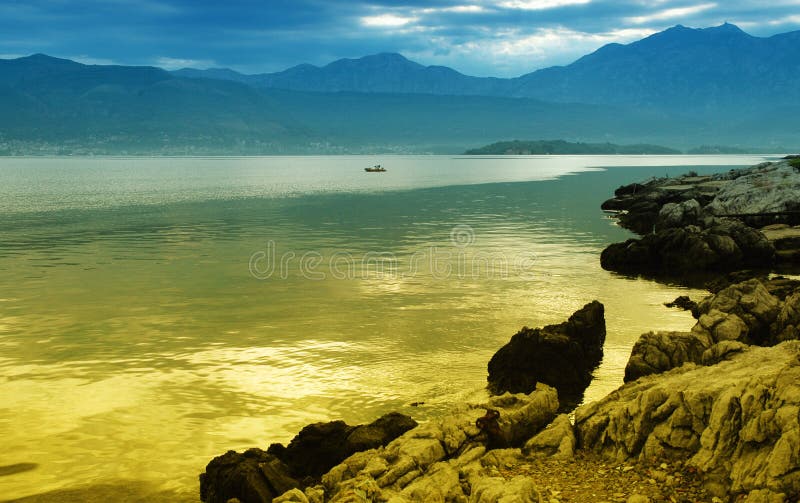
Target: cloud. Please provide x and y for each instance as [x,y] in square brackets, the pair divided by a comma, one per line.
[387,21]
[540,4]
[168,63]
[481,37]
[88,60]
[673,13]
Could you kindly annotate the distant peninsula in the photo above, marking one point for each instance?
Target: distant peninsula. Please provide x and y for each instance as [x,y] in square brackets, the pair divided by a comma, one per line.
[553,147]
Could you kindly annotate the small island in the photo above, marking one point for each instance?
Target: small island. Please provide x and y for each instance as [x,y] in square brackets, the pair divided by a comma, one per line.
[562,147]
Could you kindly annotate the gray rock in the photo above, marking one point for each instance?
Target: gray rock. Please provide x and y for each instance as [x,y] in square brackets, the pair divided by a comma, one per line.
[772,188]
[678,214]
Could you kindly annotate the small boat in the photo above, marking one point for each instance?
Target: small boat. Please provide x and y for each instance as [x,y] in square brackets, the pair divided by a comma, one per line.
[375,169]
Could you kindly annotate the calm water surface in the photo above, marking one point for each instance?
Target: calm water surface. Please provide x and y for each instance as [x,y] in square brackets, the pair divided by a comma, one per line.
[155,313]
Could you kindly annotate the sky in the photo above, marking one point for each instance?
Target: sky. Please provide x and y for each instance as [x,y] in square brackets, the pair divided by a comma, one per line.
[502,38]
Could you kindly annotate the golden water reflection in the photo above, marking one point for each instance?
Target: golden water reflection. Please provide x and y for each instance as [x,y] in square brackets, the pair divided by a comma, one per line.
[135,344]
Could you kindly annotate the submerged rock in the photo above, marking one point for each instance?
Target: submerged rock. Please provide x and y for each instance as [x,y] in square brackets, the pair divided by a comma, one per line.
[683,302]
[737,422]
[562,356]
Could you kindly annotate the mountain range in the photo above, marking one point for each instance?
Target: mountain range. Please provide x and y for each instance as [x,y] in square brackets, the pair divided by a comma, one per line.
[681,87]
[709,67]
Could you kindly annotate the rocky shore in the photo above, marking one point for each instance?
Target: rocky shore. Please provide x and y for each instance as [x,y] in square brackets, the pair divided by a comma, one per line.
[707,415]
[746,218]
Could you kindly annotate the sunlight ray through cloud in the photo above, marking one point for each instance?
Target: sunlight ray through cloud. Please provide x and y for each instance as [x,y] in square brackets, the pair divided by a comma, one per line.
[674,13]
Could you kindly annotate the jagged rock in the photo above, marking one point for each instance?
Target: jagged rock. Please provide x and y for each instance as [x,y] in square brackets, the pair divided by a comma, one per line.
[787,324]
[257,476]
[744,312]
[251,477]
[445,459]
[724,244]
[321,446]
[561,355]
[737,422]
[657,352]
[771,188]
[557,440]
[678,214]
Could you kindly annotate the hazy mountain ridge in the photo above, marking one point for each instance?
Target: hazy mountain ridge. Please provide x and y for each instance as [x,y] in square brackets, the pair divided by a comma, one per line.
[109,109]
[713,68]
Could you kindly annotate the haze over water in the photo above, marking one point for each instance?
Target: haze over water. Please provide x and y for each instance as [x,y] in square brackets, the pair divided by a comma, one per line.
[144,329]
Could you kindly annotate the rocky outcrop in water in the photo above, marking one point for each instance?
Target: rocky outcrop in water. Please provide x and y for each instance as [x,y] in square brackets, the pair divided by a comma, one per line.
[736,422]
[719,245]
[257,476]
[562,356]
[735,317]
[697,224]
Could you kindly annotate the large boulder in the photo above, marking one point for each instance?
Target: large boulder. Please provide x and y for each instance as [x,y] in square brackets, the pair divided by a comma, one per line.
[257,476]
[320,446]
[562,356]
[742,312]
[736,422]
[251,477]
[657,352]
[722,245]
[678,214]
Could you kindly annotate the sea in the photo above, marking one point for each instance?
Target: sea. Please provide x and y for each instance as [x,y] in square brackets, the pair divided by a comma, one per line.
[157,312]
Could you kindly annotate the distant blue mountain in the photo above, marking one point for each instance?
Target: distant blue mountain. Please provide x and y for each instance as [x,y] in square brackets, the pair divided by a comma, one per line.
[711,68]
[680,88]
[380,73]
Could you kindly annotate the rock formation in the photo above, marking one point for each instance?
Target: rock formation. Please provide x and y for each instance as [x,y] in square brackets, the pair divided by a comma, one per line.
[257,476]
[737,316]
[562,356]
[720,245]
[708,223]
[446,459]
[737,422]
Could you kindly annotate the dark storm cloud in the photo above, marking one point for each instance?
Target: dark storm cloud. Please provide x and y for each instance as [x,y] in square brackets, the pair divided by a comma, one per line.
[500,37]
